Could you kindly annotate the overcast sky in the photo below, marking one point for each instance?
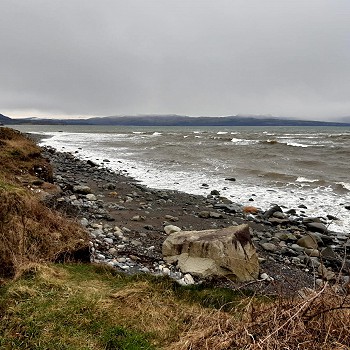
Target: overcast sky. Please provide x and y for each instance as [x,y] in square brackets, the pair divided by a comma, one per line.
[191,57]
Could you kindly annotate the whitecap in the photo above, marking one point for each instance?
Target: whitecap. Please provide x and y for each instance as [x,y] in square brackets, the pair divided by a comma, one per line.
[296,144]
[345,185]
[304,179]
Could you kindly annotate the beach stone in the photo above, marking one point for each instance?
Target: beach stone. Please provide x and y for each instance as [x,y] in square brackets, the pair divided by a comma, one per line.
[188,279]
[250,210]
[325,273]
[225,252]
[91,163]
[279,215]
[230,179]
[171,218]
[265,277]
[108,240]
[138,218]
[312,252]
[136,243]
[316,227]
[110,186]
[91,197]
[112,251]
[268,213]
[328,253]
[285,236]
[277,221]
[270,247]
[84,222]
[215,193]
[312,261]
[82,189]
[229,208]
[297,247]
[215,215]
[171,229]
[308,241]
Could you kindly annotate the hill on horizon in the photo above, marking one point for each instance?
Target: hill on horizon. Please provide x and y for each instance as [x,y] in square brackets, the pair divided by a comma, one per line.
[173,120]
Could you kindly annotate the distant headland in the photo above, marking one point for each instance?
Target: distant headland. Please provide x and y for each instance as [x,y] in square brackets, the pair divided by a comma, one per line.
[171,120]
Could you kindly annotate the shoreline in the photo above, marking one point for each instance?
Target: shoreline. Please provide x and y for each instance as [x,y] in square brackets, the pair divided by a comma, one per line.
[126,224]
[308,197]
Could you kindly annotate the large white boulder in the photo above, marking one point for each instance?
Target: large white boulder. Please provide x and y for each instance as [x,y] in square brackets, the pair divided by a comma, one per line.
[221,252]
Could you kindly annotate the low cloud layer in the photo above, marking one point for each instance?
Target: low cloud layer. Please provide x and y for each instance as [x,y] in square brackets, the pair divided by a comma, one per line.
[194,57]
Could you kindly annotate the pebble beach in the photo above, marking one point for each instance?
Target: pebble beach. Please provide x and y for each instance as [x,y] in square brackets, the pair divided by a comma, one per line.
[129,222]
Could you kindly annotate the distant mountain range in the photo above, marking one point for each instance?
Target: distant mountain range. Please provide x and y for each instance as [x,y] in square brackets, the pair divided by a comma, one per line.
[173,120]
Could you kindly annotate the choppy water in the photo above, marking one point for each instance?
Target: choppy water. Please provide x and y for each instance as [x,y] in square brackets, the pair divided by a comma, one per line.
[284,165]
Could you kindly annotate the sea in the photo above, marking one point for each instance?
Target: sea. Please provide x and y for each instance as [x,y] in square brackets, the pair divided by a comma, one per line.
[255,166]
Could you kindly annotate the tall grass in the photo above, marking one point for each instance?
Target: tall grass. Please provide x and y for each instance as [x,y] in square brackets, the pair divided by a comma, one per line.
[93,307]
[29,231]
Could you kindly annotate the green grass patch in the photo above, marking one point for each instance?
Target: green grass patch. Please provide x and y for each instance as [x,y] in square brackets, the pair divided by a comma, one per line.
[53,309]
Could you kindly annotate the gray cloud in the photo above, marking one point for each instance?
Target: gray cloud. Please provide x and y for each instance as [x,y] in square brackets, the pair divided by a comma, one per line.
[194,57]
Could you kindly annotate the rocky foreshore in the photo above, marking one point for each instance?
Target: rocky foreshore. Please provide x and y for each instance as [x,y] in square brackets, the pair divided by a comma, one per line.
[129,222]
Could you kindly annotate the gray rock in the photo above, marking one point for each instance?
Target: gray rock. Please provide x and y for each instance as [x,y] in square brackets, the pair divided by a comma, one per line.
[91,197]
[188,279]
[277,221]
[112,251]
[276,208]
[138,218]
[285,236]
[325,273]
[136,243]
[265,277]
[328,253]
[297,248]
[224,252]
[215,215]
[171,218]
[312,252]
[215,193]
[270,247]
[110,186]
[316,227]
[308,241]
[145,270]
[229,208]
[279,215]
[84,222]
[82,189]
[171,229]
[108,240]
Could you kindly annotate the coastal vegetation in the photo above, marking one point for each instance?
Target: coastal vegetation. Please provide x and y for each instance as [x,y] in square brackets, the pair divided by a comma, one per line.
[49,300]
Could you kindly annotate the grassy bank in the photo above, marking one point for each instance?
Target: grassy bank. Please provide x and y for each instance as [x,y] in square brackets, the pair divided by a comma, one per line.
[44,305]
[29,230]
[92,307]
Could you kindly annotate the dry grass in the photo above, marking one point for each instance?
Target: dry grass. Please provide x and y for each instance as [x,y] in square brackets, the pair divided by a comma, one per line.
[20,157]
[29,231]
[98,299]
[316,321]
